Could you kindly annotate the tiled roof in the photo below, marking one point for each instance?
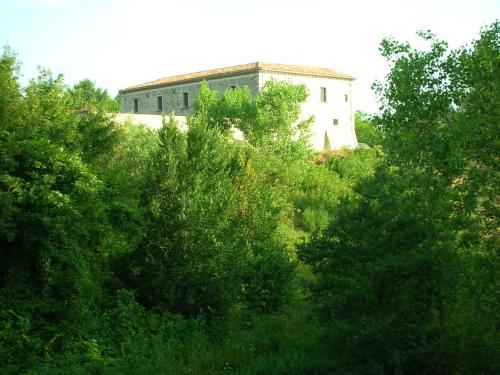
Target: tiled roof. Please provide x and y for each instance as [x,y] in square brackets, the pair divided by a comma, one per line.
[238,70]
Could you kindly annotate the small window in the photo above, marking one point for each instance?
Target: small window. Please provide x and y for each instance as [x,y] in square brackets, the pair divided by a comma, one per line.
[232,87]
[185,100]
[346,97]
[335,121]
[159,103]
[323,94]
[136,105]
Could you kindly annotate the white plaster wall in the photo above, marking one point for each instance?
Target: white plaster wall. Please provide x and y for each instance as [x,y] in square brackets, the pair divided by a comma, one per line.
[151,121]
[156,122]
[335,107]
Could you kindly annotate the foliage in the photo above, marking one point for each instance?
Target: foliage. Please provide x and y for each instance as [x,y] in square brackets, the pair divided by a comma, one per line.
[47,279]
[397,270]
[381,275]
[131,250]
[60,223]
[366,131]
[235,108]
[354,165]
[96,124]
[270,121]
[86,96]
[212,240]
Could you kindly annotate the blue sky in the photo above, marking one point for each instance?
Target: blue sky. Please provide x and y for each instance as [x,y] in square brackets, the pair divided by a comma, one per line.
[120,43]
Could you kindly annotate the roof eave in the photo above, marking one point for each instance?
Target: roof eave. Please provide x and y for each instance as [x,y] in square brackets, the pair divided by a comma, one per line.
[334,76]
[257,68]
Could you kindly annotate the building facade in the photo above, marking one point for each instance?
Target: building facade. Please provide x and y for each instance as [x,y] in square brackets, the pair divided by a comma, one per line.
[329,101]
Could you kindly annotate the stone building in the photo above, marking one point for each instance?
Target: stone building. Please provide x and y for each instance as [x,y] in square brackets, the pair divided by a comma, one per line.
[329,101]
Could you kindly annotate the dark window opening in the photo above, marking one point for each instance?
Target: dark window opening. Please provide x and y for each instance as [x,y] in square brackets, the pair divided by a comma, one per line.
[323,94]
[159,103]
[233,87]
[136,105]
[335,121]
[185,100]
[346,97]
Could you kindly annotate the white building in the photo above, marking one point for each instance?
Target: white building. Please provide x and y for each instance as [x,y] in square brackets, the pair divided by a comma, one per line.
[329,101]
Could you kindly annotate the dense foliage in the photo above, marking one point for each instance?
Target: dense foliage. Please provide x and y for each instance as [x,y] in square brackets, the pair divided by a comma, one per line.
[407,275]
[366,131]
[128,250]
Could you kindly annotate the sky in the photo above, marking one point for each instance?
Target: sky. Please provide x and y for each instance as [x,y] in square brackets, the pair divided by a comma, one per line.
[119,43]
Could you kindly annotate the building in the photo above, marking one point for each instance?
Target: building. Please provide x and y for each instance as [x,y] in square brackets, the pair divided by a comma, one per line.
[329,101]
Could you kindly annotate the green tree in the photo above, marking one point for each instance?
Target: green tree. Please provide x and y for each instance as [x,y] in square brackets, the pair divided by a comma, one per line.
[406,272]
[234,108]
[87,96]
[212,240]
[95,107]
[48,273]
[366,131]
[270,121]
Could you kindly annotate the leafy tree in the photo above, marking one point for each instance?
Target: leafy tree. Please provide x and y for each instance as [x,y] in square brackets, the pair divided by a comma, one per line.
[212,239]
[234,108]
[381,272]
[366,131]
[278,111]
[47,274]
[95,108]
[398,269]
[270,121]
[87,96]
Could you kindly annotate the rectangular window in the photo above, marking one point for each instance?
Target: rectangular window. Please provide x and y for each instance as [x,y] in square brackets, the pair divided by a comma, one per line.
[346,97]
[185,100]
[323,94]
[159,103]
[136,105]
[335,121]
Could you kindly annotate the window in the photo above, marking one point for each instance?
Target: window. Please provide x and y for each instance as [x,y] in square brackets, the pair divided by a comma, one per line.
[323,94]
[335,121]
[346,97]
[159,103]
[232,87]
[136,105]
[185,100]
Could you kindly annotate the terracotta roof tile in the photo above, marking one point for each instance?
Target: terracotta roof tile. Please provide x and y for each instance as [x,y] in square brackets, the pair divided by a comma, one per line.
[238,70]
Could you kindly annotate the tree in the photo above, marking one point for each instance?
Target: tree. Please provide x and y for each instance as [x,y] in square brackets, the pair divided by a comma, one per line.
[48,271]
[405,272]
[99,131]
[234,108]
[366,131]
[87,96]
[212,240]
[270,121]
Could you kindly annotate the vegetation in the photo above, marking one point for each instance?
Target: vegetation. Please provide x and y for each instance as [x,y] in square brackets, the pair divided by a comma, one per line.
[407,274]
[127,250]
[366,131]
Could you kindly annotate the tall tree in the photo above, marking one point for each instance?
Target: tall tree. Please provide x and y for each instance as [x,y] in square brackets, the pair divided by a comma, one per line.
[270,121]
[48,263]
[212,240]
[406,274]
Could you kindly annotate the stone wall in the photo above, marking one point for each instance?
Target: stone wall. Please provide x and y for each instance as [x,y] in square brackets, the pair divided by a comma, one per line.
[173,96]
